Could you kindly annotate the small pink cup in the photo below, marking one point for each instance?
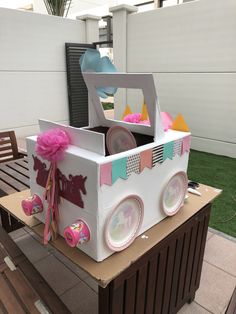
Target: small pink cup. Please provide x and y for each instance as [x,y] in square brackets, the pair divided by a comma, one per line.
[77,233]
[32,205]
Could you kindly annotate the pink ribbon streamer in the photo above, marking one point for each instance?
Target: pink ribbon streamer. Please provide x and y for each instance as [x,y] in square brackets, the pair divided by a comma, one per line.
[51,145]
[52,197]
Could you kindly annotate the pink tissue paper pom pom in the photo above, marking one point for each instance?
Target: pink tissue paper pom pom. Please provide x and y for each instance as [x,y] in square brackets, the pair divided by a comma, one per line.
[52,144]
[167,120]
[133,117]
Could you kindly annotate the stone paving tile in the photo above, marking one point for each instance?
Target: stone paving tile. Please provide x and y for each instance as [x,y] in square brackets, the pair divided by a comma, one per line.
[215,289]
[221,252]
[59,277]
[193,308]
[209,235]
[222,234]
[32,248]
[223,312]
[81,300]
[73,267]
[33,234]
[17,233]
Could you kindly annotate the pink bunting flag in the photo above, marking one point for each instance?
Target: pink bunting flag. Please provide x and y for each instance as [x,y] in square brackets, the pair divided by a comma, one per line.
[145,159]
[186,144]
[167,120]
[105,174]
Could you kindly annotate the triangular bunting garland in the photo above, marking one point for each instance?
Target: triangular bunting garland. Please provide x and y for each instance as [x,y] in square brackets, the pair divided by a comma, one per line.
[132,165]
[124,167]
[178,147]
[186,144]
[119,169]
[105,174]
[167,120]
[179,124]
[127,111]
[145,159]
[144,113]
[168,150]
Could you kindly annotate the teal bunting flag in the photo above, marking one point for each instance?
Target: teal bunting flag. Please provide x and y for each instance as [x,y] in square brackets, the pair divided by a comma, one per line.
[119,169]
[168,150]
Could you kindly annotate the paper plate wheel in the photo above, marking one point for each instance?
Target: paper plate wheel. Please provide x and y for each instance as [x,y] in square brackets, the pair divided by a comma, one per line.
[124,223]
[173,194]
[119,139]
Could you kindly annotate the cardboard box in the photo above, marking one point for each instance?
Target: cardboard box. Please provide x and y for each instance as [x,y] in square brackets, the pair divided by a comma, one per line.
[118,196]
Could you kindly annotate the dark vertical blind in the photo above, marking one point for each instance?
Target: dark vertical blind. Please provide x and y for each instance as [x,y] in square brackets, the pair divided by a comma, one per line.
[77,90]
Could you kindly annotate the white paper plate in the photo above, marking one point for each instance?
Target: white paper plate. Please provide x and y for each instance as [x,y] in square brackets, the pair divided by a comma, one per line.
[173,194]
[124,222]
[119,139]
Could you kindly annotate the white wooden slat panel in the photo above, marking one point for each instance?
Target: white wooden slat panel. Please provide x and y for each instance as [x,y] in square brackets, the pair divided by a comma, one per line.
[206,100]
[214,147]
[27,130]
[198,36]
[28,96]
[86,139]
[36,42]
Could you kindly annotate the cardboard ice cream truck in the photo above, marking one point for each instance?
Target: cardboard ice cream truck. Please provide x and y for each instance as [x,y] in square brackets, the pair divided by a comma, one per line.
[116,179]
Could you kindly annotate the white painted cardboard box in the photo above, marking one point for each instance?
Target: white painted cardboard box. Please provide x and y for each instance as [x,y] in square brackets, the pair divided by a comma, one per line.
[114,224]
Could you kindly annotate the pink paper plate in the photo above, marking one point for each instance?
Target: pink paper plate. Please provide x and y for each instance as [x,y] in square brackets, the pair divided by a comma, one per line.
[123,224]
[119,139]
[173,194]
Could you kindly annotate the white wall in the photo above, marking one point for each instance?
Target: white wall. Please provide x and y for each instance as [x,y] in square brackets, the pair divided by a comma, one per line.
[32,68]
[190,48]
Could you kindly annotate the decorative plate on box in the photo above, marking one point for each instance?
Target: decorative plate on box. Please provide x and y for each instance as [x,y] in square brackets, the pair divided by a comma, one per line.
[124,222]
[173,194]
[119,139]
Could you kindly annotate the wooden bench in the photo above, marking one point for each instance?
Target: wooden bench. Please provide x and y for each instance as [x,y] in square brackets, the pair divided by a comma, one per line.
[8,146]
[14,177]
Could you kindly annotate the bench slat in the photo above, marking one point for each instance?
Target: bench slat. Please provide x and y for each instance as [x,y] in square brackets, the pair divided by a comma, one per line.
[12,182]
[23,163]
[25,172]
[6,154]
[15,175]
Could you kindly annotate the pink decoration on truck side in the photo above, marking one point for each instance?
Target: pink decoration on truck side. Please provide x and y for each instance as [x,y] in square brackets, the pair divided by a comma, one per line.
[51,146]
[32,205]
[77,233]
[70,188]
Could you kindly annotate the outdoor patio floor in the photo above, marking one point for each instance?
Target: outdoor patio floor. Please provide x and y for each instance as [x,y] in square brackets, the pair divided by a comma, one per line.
[78,290]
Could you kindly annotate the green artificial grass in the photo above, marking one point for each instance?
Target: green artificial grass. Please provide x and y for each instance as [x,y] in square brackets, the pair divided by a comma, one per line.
[220,172]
